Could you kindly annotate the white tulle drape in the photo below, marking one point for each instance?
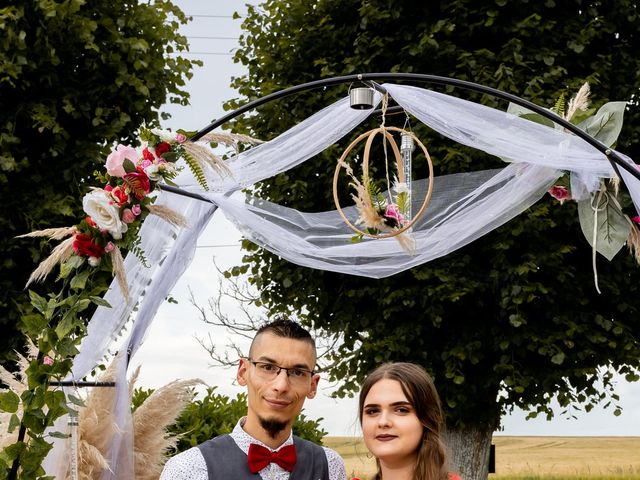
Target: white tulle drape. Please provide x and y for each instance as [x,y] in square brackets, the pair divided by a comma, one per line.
[464,207]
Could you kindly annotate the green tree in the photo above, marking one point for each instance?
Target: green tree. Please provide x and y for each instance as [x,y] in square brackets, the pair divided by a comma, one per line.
[75,76]
[212,414]
[513,319]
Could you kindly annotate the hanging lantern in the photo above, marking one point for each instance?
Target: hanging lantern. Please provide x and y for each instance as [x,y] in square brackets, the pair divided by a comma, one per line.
[361,98]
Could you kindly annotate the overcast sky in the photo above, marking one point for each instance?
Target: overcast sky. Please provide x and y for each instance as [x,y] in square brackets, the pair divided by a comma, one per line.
[171,350]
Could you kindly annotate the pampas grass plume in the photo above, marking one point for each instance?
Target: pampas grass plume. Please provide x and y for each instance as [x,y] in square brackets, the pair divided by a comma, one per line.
[150,421]
[59,254]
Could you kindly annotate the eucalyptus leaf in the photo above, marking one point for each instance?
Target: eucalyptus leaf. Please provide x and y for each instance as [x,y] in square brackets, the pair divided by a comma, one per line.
[9,401]
[14,422]
[606,124]
[527,114]
[100,301]
[612,229]
[128,166]
[80,280]
[67,267]
[38,302]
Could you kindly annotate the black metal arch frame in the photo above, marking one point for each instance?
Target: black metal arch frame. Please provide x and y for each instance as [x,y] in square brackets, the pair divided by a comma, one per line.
[371,78]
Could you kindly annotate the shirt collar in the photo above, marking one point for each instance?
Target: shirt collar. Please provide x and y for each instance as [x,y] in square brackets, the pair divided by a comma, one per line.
[243,439]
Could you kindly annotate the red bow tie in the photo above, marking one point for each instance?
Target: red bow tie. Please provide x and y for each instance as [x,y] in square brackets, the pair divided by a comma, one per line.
[260,457]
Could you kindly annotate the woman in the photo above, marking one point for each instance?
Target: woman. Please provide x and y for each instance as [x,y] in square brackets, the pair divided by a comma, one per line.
[401,420]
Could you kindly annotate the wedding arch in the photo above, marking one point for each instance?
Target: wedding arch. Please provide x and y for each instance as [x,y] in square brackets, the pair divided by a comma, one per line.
[462,208]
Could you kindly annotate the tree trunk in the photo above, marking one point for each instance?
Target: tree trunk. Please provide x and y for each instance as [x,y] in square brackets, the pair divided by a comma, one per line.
[469,452]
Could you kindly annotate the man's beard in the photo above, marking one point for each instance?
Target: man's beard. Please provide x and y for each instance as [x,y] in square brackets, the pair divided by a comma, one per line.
[272,426]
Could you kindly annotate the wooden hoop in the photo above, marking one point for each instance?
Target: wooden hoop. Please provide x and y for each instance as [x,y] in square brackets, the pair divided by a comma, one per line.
[365,170]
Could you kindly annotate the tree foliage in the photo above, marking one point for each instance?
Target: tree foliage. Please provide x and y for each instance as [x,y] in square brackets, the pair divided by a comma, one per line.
[75,76]
[213,414]
[512,319]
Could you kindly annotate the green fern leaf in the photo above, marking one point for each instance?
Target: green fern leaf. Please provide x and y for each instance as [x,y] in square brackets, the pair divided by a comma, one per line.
[196,170]
[560,106]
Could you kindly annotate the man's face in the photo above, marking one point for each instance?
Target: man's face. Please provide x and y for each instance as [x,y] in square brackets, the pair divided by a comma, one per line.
[280,399]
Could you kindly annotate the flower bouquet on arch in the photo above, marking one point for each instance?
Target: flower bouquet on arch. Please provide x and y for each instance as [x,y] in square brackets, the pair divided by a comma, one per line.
[602,206]
[116,209]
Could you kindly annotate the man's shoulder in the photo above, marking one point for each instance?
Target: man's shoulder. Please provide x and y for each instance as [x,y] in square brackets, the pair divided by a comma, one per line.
[189,464]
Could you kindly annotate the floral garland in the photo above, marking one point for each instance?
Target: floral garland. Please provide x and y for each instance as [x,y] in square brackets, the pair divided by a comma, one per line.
[115,211]
[88,253]
[604,223]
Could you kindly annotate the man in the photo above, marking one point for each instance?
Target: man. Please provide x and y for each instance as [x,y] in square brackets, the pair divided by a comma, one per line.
[279,375]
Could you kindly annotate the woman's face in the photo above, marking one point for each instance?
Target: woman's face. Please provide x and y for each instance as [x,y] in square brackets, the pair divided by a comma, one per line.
[390,426]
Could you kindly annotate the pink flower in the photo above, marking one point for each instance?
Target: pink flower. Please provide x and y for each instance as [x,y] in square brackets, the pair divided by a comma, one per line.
[180,138]
[117,158]
[109,247]
[146,163]
[47,360]
[136,209]
[128,216]
[560,193]
[392,212]
[636,219]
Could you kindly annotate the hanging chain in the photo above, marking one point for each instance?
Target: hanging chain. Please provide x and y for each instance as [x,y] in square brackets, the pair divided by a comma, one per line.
[385,104]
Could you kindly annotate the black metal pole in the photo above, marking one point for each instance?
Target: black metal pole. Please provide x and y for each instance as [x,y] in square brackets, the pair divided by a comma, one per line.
[423,78]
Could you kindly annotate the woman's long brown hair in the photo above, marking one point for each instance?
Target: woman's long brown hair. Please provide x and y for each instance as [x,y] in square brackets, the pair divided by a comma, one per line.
[419,389]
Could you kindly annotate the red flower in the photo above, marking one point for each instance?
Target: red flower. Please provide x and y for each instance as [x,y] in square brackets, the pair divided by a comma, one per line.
[139,183]
[84,246]
[121,196]
[147,155]
[162,148]
[90,221]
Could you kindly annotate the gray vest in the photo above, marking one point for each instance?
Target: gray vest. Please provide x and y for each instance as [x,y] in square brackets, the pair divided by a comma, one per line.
[225,460]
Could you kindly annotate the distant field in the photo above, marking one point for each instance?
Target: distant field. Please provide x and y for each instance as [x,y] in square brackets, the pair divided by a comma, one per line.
[532,458]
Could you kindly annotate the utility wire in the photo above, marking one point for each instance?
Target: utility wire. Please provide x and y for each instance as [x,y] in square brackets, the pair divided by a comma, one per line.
[203,53]
[212,16]
[212,38]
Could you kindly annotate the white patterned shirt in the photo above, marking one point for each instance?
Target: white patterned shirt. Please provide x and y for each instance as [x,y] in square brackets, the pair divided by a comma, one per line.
[190,464]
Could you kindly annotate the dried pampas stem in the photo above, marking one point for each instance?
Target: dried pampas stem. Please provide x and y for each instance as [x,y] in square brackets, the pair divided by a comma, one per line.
[633,242]
[369,217]
[96,428]
[168,215]
[59,254]
[150,421]
[204,156]
[579,102]
[407,242]
[52,233]
[231,139]
[615,183]
[134,379]
[117,268]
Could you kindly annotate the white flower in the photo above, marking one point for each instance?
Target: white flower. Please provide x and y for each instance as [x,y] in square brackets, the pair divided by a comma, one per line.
[153,172]
[101,208]
[164,135]
[400,187]
[93,261]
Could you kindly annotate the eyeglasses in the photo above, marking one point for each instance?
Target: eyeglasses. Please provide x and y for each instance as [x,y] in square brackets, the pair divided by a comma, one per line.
[270,371]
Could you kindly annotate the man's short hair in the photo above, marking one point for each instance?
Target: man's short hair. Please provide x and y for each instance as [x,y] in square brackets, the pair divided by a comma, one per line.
[285,328]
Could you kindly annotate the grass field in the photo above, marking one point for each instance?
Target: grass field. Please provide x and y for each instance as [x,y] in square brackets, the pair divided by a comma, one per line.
[532,458]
